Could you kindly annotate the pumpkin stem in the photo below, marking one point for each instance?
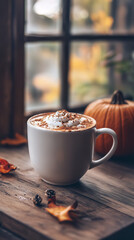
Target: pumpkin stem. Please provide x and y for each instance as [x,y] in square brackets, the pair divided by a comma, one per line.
[118,98]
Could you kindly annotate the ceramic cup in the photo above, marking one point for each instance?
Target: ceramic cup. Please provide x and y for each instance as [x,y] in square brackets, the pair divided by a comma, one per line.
[62,158]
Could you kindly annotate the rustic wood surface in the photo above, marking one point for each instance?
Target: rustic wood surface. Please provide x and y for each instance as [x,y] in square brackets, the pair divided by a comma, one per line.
[105,197]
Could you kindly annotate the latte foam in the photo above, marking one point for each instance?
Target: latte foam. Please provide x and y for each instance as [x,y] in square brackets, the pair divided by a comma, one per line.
[62,120]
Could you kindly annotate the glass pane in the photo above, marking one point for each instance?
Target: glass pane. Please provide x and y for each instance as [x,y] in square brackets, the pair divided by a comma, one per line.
[42,87]
[97,69]
[102,16]
[43,16]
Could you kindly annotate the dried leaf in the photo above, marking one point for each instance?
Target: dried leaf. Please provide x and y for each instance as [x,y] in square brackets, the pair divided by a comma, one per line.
[5,166]
[18,140]
[62,213]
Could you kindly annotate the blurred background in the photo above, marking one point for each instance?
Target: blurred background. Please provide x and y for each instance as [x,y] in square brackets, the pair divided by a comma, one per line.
[99,61]
[62,54]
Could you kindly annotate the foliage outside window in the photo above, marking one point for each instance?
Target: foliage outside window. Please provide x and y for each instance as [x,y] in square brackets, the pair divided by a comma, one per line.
[97,65]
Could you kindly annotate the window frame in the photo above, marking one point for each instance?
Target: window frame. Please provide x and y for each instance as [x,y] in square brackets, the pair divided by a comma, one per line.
[12,68]
[65,38]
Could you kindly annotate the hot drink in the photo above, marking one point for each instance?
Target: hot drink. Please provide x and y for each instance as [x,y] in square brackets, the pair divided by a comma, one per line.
[61,145]
[63,121]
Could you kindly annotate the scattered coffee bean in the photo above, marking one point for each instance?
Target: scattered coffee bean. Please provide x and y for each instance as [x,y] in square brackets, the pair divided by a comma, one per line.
[50,193]
[37,200]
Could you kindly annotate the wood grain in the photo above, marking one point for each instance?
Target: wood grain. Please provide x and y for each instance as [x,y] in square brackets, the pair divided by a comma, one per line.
[105,196]
[6,235]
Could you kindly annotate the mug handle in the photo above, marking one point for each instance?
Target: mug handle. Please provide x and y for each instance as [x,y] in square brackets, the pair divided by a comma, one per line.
[95,163]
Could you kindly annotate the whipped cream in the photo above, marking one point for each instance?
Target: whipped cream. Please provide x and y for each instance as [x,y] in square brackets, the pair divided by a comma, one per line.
[62,120]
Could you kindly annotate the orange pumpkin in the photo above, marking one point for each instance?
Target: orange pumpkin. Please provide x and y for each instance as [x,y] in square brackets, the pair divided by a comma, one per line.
[118,114]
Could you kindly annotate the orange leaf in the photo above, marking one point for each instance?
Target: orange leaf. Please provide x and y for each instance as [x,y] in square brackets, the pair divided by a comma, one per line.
[5,166]
[62,213]
[18,140]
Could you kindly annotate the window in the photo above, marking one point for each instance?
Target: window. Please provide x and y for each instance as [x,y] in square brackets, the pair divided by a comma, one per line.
[73,51]
[77,51]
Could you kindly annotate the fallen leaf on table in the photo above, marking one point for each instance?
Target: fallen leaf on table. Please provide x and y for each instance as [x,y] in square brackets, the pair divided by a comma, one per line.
[62,213]
[5,166]
[18,140]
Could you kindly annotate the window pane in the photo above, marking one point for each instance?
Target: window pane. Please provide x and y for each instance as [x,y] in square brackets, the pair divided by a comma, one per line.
[43,16]
[103,16]
[42,88]
[97,69]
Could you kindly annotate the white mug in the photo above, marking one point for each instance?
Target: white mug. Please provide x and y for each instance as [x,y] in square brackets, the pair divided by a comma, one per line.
[62,158]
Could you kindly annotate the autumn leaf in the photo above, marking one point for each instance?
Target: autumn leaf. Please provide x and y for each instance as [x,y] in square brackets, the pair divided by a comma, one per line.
[62,213]
[102,23]
[5,166]
[18,140]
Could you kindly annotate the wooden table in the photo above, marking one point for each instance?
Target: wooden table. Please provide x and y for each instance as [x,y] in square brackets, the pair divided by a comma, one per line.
[105,197]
